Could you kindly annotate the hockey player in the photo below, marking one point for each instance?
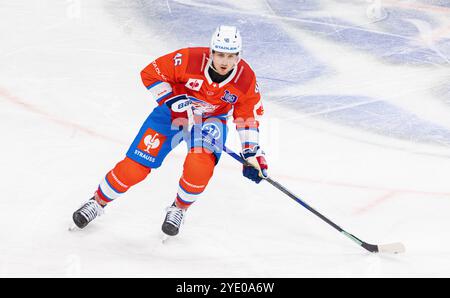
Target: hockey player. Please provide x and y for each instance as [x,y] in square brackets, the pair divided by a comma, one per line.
[197,89]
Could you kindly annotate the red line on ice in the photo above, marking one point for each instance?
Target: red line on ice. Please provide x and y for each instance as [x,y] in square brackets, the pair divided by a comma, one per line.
[35,110]
[391,191]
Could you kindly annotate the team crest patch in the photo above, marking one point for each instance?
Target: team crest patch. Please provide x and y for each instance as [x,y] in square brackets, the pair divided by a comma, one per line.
[194,84]
[151,142]
[228,97]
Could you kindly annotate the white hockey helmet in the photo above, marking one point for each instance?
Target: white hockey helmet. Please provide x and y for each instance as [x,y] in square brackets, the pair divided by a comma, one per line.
[226,39]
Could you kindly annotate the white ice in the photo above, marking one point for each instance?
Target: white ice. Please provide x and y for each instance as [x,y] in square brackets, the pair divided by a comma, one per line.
[71,102]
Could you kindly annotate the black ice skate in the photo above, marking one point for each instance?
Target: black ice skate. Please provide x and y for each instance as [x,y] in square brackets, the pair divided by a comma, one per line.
[87,213]
[173,220]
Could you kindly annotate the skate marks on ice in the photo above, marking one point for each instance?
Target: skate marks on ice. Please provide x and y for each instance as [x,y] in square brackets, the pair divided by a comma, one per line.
[256,31]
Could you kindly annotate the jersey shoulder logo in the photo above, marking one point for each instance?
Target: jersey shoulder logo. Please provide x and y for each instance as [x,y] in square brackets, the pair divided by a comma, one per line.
[177,59]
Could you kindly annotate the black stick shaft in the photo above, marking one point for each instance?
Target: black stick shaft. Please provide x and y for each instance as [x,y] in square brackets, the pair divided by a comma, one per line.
[367,246]
[372,248]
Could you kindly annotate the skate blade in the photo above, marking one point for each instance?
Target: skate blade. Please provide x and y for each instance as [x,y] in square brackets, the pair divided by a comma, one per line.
[164,237]
[73,228]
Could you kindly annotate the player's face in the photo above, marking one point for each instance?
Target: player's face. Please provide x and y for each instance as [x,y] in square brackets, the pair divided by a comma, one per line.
[224,62]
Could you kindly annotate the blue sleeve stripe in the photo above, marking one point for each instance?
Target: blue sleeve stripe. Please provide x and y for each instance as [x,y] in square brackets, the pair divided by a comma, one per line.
[154,84]
[163,97]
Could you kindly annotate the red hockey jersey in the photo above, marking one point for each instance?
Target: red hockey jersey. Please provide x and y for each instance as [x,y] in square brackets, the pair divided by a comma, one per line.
[185,71]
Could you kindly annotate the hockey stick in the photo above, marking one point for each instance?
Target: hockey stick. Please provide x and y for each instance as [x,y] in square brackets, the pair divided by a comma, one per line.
[395,248]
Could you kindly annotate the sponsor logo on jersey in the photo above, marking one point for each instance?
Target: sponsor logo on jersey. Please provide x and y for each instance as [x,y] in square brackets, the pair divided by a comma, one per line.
[194,84]
[228,97]
[158,71]
[163,92]
[212,130]
[151,142]
[144,156]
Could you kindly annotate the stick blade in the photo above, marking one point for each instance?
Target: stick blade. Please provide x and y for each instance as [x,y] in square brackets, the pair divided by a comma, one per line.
[393,248]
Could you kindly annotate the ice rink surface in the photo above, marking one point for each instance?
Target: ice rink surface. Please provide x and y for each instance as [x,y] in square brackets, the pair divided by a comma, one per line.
[357,123]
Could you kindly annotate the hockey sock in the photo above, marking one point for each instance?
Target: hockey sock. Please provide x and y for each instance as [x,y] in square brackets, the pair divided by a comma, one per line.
[124,175]
[197,170]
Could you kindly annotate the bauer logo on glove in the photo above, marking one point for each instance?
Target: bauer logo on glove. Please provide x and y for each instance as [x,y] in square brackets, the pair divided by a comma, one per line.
[179,104]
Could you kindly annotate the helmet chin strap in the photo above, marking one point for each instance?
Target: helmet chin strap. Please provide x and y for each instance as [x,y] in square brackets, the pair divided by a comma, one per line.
[212,64]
